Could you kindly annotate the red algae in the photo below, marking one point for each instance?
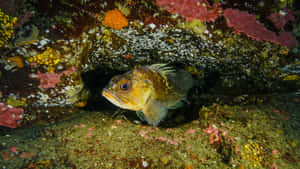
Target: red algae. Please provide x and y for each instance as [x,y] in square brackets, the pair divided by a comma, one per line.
[279,19]
[193,9]
[244,22]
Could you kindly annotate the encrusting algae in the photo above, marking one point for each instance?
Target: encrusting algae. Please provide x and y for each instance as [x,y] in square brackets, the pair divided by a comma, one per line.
[149,90]
[254,154]
[49,57]
[291,77]
[115,19]
[6,27]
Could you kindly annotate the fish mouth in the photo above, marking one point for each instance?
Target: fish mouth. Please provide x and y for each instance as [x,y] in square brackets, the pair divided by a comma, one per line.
[110,96]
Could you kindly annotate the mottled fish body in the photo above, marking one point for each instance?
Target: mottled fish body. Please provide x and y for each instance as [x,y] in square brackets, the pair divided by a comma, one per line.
[149,89]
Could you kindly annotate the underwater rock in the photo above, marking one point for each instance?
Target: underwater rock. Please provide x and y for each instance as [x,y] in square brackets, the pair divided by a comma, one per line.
[26,35]
[240,62]
[220,60]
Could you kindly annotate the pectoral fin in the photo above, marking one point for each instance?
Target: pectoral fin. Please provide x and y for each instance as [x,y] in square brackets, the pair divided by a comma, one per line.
[154,112]
[176,105]
[140,115]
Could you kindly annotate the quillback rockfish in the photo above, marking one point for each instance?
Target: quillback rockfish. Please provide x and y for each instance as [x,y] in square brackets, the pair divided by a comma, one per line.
[149,90]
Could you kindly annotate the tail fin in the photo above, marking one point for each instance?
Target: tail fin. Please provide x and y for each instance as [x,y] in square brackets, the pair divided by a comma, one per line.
[183,80]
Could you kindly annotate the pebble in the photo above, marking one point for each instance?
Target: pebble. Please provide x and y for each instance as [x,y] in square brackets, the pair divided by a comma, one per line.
[145,164]
[152,25]
[44,42]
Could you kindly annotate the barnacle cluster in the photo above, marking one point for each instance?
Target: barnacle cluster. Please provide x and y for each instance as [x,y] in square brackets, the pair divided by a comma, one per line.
[49,57]
[6,27]
[254,154]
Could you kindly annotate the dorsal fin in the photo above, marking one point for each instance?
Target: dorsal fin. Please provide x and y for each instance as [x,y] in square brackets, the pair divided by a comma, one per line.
[163,69]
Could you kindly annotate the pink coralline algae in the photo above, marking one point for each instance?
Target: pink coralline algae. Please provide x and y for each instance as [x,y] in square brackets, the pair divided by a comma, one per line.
[49,80]
[190,132]
[10,116]
[215,134]
[192,9]
[274,166]
[173,142]
[244,22]
[144,134]
[275,151]
[27,154]
[13,149]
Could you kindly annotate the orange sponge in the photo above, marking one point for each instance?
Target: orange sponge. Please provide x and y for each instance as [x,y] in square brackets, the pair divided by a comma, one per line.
[18,60]
[115,19]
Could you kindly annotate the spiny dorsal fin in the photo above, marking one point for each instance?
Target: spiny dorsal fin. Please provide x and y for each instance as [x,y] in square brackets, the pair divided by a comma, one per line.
[163,69]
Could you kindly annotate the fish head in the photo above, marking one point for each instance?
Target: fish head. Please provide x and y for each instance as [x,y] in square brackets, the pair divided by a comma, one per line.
[129,91]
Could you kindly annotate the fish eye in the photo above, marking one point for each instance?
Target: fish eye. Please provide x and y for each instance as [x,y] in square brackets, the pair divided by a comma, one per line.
[124,86]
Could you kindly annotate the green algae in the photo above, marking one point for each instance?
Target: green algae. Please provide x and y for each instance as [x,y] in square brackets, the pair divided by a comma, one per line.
[14,102]
[196,26]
